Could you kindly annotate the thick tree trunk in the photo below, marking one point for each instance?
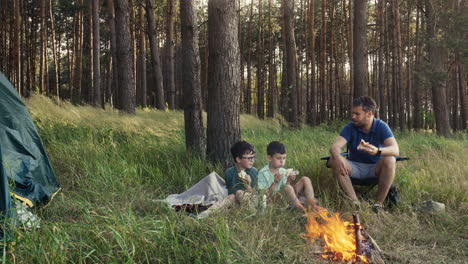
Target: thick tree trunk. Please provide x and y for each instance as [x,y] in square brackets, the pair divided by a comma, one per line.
[223,81]
[97,56]
[169,71]
[291,63]
[438,75]
[360,48]
[194,132]
[312,101]
[124,57]
[158,86]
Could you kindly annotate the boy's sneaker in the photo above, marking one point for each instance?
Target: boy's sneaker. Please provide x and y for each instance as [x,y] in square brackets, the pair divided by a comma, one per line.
[377,207]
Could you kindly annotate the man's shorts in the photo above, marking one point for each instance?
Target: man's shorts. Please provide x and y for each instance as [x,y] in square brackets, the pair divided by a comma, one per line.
[362,170]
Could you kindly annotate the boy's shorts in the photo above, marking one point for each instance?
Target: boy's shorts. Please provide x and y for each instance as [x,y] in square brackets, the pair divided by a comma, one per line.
[362,170]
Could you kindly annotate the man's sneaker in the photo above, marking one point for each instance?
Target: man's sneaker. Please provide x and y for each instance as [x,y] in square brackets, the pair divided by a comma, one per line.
[377,208]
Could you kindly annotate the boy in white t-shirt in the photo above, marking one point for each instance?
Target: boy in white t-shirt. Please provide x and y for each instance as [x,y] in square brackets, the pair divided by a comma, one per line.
[274,178]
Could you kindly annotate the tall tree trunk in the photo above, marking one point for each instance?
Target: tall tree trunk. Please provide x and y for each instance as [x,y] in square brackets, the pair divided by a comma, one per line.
[17,46]
[260,66]
[124,56]
[382,106]
[437,78]
[142,58]
[350,35]
[291,63]
[360,48]
[44,67]
[248,91]
[97,56]
[417,115]
[158,87]
[331,90]
[169,76]
[271,69]
[400,89]
[194,132]
[54,49]
[223,81]
[463,96]
[323,64]
[312,101]
[113,47]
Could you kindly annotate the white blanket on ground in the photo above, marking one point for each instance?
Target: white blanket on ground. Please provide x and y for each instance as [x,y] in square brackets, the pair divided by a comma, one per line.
[207,191]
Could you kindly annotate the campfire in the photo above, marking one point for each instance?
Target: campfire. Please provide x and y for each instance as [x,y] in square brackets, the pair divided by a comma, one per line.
[342,240]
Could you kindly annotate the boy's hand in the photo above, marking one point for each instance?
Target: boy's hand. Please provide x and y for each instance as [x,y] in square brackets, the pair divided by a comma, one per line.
[291,175]
[247,181]
[278,177]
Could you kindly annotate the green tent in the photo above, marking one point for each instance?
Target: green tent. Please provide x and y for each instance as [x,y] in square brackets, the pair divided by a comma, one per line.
[25,170]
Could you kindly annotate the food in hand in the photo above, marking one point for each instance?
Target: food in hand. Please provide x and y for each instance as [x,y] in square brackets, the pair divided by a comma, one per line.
[362,145]
[243,177]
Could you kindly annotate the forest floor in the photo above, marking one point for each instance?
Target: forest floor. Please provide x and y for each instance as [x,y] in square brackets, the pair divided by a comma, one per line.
[113,167]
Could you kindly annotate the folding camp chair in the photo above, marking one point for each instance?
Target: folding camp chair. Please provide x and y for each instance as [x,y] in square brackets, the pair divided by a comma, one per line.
[366,185]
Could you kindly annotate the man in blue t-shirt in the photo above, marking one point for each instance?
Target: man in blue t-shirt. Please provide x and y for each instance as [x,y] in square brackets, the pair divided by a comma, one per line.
[372,150]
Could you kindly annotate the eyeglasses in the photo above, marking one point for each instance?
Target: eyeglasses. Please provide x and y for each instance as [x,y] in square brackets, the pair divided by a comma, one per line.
[249,158]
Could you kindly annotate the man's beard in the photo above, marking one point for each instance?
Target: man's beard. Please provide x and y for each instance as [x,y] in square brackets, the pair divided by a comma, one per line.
[358,124]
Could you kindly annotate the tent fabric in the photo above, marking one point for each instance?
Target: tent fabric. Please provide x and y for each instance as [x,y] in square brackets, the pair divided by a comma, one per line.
[5,201]
[207,191]
[24,161]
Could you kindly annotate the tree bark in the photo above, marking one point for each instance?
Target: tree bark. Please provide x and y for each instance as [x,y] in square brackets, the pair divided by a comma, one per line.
[312,101]
[124,56]
[381,85]
[248,91]
[360,48]
[463,96]
[323,64]
[291,63]
[158,87]
[417,115]
[260,66]
[438,75]
[223,81]
[169,76]
[142,58]
[400,89]
[272,101]
[194,132]
[97,56]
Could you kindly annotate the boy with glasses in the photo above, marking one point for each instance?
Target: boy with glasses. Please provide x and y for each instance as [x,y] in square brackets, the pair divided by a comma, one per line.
[242,177]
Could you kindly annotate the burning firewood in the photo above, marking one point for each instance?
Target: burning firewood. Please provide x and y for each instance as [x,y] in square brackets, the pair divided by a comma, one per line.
[342,240]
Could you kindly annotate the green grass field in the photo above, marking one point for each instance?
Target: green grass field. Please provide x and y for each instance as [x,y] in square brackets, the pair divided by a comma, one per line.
[112,167]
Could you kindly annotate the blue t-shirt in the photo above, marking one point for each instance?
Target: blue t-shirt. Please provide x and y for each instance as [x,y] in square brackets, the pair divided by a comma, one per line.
[379,132]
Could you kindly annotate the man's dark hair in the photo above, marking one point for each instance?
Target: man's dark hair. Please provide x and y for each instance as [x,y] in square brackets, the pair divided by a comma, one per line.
[366,102]
[276,147]
[240,148]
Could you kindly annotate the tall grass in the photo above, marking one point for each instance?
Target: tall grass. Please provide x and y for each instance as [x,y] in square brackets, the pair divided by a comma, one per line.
[114,167]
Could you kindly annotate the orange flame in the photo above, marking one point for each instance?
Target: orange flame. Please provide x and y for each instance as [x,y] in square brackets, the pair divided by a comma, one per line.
[338,235]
